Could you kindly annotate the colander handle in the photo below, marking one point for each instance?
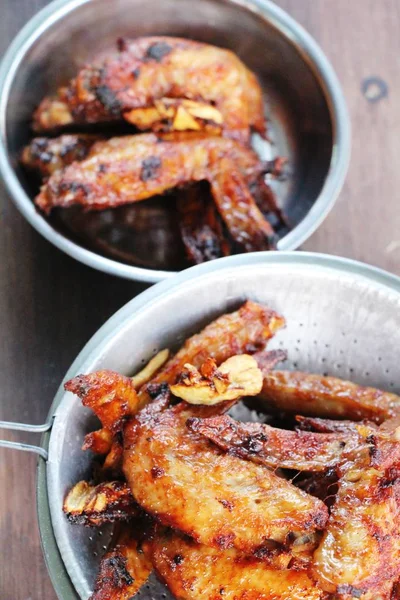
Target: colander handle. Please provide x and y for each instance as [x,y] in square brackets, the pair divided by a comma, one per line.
[9,425]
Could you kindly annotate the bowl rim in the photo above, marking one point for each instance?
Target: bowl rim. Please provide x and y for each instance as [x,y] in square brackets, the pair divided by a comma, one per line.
[328,263]
[311,53]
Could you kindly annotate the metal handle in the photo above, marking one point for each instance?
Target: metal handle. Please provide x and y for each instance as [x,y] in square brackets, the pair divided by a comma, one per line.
[25,427]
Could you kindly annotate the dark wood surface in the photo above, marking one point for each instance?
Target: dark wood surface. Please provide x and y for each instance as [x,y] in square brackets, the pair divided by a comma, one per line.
[50,305]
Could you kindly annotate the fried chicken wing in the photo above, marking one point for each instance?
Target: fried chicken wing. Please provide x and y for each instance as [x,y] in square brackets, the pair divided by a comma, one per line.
[243,331]
[319,396]
[47,155]
[216,498]
[124,569]
[332,426]
[162,83]
[272,447]
[110,395]
[200,225]
[359,555]
[95,505]
[196,572]
[128,169]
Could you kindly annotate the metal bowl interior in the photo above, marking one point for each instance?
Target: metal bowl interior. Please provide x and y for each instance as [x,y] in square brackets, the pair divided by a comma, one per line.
[343,318]
[303,102]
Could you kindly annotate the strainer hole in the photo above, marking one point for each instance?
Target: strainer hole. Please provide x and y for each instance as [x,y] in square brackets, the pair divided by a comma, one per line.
[326,345]
[301,324]
[379,358]
[315,341]
[391,384]
[351,370]
[323,359]
[387,371]
[295,365]
[297,349]
[338,366]
[367,373]
[325,373]
[355,341]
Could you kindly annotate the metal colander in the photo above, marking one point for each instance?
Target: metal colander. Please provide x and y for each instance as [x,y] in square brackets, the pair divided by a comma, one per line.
[343,319]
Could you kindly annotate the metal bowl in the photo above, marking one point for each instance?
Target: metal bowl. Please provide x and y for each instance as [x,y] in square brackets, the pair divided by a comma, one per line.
[304,103]
[343,318]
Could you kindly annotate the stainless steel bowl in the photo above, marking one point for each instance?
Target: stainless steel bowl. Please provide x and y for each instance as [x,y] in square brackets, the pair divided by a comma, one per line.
[308,117]
[343,318]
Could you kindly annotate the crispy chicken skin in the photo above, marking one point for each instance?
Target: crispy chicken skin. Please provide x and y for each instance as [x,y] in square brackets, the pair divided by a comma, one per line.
[111,396]
[157,74]
[95,505]
[47,155]
[272,447]
[245,330]
[128,169]
[318,396]
[124,569]
[195,572]
[218,499]
[359,555]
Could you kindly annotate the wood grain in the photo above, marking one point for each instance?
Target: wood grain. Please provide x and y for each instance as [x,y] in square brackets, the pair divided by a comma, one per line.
[50,305]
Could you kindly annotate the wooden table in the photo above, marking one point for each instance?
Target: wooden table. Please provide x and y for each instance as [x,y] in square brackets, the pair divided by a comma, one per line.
[50,305]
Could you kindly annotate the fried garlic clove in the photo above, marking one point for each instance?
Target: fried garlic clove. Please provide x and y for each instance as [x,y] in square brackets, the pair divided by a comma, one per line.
[238,376]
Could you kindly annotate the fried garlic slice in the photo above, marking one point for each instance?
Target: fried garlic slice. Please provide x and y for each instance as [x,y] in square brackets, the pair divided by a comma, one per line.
[148,372]
[86,504]
[237,376]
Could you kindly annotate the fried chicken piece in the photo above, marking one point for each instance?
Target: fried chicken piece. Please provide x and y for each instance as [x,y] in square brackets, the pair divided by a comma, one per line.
[195,572]
[112,466]
[124,569]
[162,83]
[47,155]
[319,396]
[104,503]
[359,555]
[99,441]
[246,330]
[272,447]
[111,396]
[331,426]
[323,485]
[128,169]
[218,499]
[200,225]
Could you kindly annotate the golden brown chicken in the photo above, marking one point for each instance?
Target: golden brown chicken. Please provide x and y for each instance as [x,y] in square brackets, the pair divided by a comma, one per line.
[162,83]
[218,499]
[359,555]
[47,155]
[275,448]
[319,396]
[125,568]
[128,169]
[247,329]
[193,571]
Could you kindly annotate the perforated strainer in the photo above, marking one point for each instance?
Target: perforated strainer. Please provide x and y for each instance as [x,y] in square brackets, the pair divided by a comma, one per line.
[343,318]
